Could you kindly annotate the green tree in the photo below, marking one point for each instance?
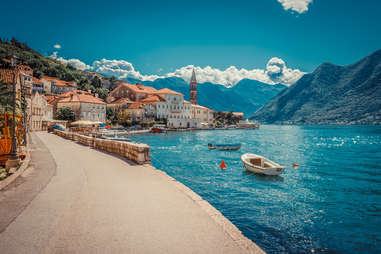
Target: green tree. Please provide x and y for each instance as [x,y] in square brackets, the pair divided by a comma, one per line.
[111,116]
[124,118]
[65,113]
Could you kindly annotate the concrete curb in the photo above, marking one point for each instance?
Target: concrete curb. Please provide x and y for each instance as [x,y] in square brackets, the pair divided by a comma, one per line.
[243,242]
[21,170]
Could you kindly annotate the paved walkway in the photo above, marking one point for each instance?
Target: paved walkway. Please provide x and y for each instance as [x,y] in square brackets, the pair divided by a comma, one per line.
[98,203]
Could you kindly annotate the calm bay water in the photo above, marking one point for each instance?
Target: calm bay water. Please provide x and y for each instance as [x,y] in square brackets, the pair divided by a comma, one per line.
[330,204]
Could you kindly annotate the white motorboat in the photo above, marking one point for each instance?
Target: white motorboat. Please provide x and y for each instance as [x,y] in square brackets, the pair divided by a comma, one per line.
[261,165]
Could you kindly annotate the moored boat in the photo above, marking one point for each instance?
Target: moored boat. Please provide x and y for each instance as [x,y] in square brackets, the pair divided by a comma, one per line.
[115,138]
[158,128]
[261,165]
[224,147]
[246,124]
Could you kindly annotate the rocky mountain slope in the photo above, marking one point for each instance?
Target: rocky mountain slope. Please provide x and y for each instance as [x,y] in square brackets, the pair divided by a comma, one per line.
[332,94]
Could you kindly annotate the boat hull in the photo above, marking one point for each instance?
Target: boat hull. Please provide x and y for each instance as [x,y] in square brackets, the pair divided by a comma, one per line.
[157,130]
[274,170]
[228,147]
[258,170]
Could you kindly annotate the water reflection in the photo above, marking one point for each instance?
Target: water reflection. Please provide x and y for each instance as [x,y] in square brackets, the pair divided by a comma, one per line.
[263,178]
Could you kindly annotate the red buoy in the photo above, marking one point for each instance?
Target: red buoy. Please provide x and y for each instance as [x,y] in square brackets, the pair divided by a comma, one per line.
[295,165]
[223,165]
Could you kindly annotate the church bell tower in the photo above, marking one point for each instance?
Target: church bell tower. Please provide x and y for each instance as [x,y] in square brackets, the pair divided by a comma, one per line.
[193,88]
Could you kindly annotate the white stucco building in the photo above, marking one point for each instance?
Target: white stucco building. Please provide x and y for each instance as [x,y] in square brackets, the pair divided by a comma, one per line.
[175,109]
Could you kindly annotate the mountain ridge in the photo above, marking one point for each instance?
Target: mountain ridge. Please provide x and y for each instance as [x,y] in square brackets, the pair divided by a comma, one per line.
[332,94]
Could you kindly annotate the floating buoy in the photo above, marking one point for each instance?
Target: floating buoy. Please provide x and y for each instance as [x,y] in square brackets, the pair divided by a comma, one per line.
[295,165]
[223,165]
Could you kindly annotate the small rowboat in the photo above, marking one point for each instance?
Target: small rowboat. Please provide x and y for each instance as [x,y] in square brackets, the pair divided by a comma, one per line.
[224,147]
[261,165]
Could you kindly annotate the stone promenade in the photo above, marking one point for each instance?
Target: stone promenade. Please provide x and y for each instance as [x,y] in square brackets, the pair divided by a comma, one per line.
[88,201]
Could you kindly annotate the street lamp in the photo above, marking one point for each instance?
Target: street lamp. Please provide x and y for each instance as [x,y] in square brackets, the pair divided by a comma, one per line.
[13,160]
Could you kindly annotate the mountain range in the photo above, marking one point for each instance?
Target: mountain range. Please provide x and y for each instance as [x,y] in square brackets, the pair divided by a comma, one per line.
[331,94]
[246,96]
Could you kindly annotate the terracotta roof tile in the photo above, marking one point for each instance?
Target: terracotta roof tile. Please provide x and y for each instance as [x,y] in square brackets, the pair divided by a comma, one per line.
[121,101]
[153,98]
[168,91]
[37,81]
[136,105]
[80,96]
[57,81]
[139,88]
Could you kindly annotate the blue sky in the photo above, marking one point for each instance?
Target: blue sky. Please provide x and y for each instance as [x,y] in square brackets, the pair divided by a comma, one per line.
[161,36]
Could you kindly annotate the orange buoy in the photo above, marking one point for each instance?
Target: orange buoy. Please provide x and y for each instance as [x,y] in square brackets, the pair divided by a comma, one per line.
[295,165]
[223,165]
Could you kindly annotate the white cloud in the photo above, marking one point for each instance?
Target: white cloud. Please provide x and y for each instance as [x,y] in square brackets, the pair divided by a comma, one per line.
[57,46]
[120,69]
[276,72]
[299,6]
[76,63]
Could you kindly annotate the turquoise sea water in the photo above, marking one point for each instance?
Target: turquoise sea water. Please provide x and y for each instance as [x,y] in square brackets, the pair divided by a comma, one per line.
[330,204]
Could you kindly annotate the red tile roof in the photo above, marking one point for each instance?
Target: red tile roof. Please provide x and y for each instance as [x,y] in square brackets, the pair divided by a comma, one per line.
[136,105]
[168,91]
[200,107]
[139,88]
[121,101]
[24,67]
[153,98]
[25,74]
[37,81]
[57,81]
[80,96]
[50,98]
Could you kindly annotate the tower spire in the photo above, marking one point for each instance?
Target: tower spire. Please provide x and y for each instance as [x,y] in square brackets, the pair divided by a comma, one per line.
[193,78]
[193,88]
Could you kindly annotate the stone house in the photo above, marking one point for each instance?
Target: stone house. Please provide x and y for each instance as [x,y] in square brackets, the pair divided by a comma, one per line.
[54,85]
[86,105]
[38,109]
[135,92]
[37,86]
[204,114]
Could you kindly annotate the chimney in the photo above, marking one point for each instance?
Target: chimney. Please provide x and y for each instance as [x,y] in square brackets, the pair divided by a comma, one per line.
[89,91]
[96,95]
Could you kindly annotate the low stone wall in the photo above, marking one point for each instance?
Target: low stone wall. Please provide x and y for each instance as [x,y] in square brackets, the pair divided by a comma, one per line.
[135,152]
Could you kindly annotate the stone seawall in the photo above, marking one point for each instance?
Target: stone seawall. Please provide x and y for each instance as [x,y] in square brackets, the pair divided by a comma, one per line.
[135,152]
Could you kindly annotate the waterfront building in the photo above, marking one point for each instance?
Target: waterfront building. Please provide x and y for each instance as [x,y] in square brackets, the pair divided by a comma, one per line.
[135,92]
[193,88]
[53,100]
[175,109]
[54,85]
[204,114]
[86,105]
[38,109]
[137,111]
[37,86]
[119,104]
